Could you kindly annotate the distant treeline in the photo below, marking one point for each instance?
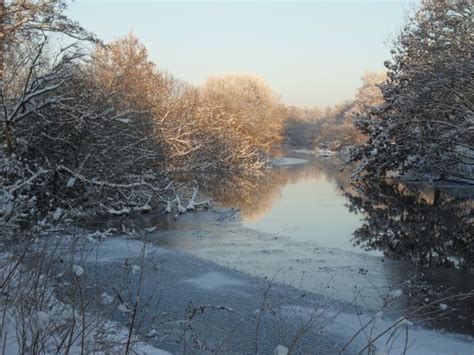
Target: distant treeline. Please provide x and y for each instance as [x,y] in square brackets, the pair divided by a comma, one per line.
[333,127]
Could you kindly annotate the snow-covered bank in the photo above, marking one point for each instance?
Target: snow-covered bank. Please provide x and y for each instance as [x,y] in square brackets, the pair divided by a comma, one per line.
[282,161]
[385,335]
[115,334]
[183,294]
[35,319]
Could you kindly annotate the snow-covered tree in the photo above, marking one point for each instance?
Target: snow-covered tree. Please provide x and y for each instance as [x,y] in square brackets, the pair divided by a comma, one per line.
[249,103]
[426,123]
[194,128]
[369,93]
[70,147]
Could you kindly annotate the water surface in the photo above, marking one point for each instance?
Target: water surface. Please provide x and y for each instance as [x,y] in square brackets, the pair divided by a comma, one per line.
[306,225]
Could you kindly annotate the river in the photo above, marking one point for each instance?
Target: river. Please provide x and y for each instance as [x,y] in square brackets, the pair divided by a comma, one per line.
[304,224]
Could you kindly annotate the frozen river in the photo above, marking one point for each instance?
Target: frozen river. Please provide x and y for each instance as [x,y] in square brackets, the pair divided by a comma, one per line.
[303,224]
[316,256]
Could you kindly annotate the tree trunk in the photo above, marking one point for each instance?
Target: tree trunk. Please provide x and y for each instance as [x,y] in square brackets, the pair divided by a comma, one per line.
[2,40]
[6,129]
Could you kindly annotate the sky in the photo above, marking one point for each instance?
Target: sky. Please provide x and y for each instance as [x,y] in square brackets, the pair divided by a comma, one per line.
[312,53]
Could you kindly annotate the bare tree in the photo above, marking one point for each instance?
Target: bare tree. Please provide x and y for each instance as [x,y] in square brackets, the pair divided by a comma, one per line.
[249,104]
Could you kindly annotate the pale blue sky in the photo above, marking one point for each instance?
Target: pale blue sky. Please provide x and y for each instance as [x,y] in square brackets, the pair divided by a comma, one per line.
[310,52]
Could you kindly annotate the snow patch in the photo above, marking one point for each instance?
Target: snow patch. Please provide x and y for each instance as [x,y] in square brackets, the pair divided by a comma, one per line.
[324,152]
[118,249]
[106,299]
[280,350]
[57,213]
[135,269]
[443,306]
[213,281]
[395,293]
[124,308]
[421,341]
[123,120]
[77,270]
[71,181]
[282,161]
[303,151]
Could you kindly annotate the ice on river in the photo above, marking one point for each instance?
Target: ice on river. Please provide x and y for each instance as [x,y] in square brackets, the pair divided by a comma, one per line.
[280,161]
[214,280]
[118,249]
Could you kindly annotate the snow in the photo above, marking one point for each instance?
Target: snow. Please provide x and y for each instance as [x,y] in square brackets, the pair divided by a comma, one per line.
[303,151]
[421,341]
[395,293]
[443,306]
[57,213]
[213,281]
[123,120]
[77,270]
[282,161]
[324,152]
[404,322]
[121,248]
[280,350]
[191,206]
[152,333]
[71,181]
[115,212]
[135,269]
[146,349]
[46,323]
[106,299]
[123,307]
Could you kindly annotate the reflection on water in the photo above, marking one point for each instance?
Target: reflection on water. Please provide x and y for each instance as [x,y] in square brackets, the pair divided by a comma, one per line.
[311,210]
[432,226]
[255,194]
[310,220]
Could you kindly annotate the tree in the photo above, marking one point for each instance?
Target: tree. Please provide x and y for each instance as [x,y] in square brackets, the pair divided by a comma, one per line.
[369,94]
[333,127]
[123,68]
[425,124]
[26,19]
[24,28]
[249,103]
[72,147]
